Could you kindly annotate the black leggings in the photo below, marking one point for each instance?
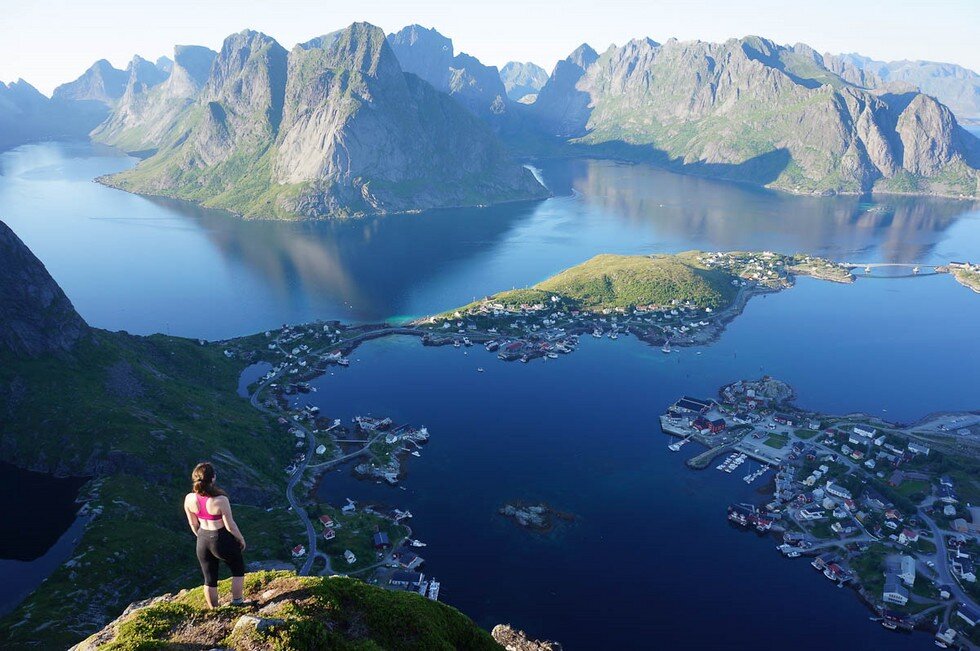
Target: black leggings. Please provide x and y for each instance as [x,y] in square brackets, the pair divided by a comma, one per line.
[214,546]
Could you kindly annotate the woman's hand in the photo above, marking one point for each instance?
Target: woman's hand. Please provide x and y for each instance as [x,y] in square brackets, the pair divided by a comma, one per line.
[241,541]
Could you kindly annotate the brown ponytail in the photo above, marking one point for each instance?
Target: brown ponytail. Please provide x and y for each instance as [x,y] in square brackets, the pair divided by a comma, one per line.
[203,478]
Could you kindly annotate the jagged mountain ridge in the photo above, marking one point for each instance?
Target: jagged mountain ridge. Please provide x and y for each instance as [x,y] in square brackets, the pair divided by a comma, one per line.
[36,317]
[751,110]
[955,86]
[333,128]
[146,112]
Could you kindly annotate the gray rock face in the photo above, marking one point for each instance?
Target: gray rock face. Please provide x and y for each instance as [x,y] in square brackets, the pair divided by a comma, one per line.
[751,110]
[100,83]
[429,54]
[148,112]
[514,640]
[955,86]
[36,318]
[522,79]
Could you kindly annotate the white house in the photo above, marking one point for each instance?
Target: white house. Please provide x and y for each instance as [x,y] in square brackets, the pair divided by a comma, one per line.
[894,592]
[902,566]
[865,431]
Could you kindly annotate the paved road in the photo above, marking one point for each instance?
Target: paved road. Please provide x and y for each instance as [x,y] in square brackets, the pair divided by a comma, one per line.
[311,547]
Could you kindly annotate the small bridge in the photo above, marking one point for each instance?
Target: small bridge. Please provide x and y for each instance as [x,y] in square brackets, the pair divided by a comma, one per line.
[915,268]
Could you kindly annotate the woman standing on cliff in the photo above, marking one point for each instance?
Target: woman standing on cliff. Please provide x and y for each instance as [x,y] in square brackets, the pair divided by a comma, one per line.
[208,513]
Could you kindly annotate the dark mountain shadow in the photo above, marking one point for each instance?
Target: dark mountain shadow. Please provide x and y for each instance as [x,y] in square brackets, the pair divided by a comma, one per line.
[758,170]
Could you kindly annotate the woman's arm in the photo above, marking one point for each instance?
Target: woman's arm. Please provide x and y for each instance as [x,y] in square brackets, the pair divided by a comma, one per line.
[192,520]
[229,521]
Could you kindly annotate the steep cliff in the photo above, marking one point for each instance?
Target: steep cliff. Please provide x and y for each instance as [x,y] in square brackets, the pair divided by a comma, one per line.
[334,128]
[955,86]
[36,318]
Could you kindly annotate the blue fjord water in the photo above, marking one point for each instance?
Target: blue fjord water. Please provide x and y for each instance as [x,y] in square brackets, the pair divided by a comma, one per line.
[651,553]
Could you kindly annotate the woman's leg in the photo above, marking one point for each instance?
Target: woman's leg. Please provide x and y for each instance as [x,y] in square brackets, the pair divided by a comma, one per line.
[231,553]
[209,567]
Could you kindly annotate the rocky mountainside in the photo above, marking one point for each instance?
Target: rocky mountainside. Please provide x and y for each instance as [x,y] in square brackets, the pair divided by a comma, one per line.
[36,318]
[751,110]
[522,79]
[333,128]
[147,112]
[430,55]
[955,86]
[100,83]
[562,106]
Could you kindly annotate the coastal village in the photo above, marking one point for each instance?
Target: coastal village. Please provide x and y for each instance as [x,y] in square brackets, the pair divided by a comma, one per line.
[885,509]
[870,503]
[519,330]
[370,541]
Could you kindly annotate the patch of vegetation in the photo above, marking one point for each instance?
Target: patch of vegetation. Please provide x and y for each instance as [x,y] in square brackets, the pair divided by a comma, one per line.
[303,613]
[620,281]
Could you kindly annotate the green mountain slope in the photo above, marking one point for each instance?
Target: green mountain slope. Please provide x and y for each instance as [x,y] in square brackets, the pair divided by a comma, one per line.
[618,281]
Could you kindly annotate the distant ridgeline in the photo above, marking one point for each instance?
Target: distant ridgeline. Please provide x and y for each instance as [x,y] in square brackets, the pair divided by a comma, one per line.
[356,122]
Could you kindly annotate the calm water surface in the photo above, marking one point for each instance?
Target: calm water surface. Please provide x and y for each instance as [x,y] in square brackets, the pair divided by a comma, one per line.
[651,553]
[652,556]
[155,265]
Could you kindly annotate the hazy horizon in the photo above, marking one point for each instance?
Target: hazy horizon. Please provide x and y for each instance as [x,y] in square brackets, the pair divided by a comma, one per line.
[52,42]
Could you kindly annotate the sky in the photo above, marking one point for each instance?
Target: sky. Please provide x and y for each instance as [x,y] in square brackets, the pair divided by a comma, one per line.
[48,42]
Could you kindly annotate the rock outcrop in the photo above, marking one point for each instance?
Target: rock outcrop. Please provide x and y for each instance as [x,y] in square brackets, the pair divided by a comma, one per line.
[515,640]
[333,128]
[289,612]
[522,80]
[36,318]
[751,110]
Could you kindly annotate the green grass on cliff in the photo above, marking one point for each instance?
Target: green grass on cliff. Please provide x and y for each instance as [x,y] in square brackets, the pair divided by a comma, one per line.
[304,613]
[619,281]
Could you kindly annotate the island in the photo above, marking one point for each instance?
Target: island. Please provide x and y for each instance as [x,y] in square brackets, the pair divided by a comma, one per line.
[537,517]
[885,508]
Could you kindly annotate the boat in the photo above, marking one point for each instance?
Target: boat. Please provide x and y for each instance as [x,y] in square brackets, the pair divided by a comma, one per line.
[456,343]
[491,346]
[524,358]
[479,370]
[343,361]
[416,543]
[433,590]
[553,355]
[890,625]
[666,347]
[415,453]
[467,342]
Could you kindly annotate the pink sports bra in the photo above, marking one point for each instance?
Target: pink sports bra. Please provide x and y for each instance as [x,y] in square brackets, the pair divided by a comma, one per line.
[202,509]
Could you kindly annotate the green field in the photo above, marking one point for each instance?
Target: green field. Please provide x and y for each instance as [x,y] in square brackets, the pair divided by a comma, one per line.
[622,281]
